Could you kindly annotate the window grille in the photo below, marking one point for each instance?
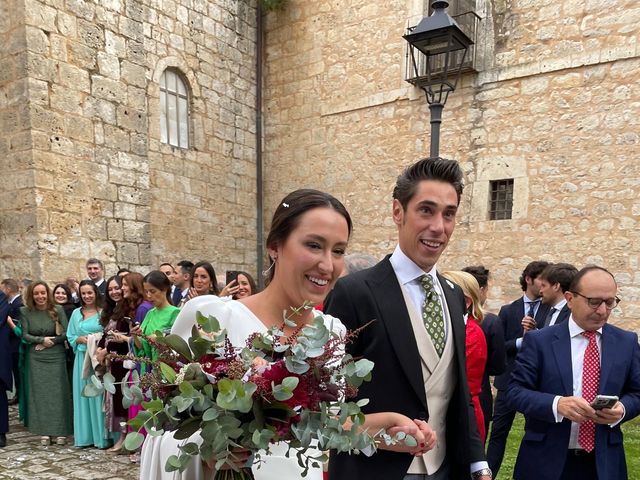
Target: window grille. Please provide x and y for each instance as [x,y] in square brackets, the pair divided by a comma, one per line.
[501,199]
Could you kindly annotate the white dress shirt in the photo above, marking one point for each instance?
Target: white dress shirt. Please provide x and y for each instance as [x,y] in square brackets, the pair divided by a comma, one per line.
[408,274]
[558,306]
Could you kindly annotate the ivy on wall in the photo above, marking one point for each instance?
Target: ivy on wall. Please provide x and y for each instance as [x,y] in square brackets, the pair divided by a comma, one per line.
[270,5]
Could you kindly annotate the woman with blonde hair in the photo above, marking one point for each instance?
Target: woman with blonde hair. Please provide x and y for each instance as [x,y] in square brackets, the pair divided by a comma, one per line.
[476,343]
[44,326]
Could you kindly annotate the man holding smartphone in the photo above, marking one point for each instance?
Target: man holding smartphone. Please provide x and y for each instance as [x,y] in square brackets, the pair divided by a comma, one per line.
[562,372]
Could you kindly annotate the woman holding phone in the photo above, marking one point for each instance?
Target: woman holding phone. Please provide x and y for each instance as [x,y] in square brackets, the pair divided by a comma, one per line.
[115,339]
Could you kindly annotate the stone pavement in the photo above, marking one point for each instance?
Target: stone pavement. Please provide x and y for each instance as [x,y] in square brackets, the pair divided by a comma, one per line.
[25,459]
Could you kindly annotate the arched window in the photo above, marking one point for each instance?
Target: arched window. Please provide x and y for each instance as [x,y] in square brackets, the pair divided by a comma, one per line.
[174,109]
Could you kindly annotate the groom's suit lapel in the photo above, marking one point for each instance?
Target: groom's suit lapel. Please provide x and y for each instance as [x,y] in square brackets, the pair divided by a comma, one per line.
[395,318]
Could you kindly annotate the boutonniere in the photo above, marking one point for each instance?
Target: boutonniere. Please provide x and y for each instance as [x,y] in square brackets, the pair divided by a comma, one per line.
[451,285]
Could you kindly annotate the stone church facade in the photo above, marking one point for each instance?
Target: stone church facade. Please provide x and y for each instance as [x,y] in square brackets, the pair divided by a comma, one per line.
[552,108]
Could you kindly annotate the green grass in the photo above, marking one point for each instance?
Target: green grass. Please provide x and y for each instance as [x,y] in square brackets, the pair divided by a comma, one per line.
[631,431]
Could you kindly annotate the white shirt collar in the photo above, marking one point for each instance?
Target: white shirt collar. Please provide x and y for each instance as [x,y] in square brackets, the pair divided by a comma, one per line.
[14,297]
[407,271]
[575,329]
[560,305]
[97,284]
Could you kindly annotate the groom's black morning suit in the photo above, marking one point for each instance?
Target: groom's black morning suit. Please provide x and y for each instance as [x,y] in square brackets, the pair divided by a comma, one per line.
[397,383]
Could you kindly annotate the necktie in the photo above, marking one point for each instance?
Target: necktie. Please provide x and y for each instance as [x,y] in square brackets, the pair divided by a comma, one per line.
[532,308]
[547,321]
[432,315]
[590,382]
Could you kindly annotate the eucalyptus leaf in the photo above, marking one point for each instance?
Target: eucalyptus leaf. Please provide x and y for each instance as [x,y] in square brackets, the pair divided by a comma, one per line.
[177,344]
[133,441]
[168,372]
[209,324]
[108,381]
[90,390]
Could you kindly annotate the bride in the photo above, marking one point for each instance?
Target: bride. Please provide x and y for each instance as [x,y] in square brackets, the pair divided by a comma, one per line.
[306,246]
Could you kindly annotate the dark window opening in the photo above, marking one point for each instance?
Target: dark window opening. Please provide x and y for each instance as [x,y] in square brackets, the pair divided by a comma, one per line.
[501,199]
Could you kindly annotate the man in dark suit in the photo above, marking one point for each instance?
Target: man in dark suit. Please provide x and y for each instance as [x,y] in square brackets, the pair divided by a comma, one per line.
[95,272]
[6,382]
[11,289]
[496,351]
[554,282]
[181,280]
[558,373]
[516,319]
[417,335]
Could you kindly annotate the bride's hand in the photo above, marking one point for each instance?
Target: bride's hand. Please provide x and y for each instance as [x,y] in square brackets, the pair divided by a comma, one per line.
[425,433]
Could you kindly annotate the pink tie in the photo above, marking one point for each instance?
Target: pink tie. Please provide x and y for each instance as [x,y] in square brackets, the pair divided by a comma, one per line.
[590,382]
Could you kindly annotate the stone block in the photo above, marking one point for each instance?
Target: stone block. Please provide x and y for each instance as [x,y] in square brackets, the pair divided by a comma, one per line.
[134,195]
[65,224]
[132,119]
[65,100]
[116,138]
[123,210]
[37,41]
[79,128]
[133,74]
[114,44]
[40,15]
[107,89]
[109,65]
[82,56]
[127,252]
[115,230]
[138,232]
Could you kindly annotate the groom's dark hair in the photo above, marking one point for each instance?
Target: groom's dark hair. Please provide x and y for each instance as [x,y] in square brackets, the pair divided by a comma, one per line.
[440,169]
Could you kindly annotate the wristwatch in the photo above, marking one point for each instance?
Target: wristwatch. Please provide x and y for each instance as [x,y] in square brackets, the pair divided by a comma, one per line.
[485,472]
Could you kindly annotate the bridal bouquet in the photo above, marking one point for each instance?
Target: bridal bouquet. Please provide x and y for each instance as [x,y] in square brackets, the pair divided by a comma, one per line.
[294,389]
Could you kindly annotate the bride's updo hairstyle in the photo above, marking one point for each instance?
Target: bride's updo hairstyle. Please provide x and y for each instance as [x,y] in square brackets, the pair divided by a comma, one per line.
[287,217]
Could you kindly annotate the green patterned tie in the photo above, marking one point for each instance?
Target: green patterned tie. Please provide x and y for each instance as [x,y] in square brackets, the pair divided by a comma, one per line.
[432,314]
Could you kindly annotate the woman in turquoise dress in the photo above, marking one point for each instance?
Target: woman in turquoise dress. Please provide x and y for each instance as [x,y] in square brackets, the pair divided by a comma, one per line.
[88,417]
[43,327]
[157,289]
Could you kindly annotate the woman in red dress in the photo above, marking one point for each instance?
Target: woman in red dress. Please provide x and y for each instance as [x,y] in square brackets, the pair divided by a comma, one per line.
[476,343]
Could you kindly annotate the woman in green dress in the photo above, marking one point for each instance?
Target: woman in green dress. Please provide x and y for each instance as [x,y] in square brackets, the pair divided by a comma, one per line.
[88,417]
[49,397]
[157,289]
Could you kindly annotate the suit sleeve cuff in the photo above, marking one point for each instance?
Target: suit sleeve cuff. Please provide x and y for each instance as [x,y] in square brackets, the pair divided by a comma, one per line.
[477,466]
[554,407]
[518,343]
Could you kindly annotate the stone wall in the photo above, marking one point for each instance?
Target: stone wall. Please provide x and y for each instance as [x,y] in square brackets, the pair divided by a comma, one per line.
[104,185]
[18,239]
[552,106]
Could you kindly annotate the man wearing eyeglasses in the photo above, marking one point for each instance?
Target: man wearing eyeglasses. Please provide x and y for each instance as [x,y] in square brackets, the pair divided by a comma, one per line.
[562,372]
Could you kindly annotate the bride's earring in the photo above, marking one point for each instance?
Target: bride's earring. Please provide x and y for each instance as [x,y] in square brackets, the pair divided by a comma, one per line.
[265,273]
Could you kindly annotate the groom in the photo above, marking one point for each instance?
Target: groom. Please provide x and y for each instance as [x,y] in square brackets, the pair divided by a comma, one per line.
[417,340]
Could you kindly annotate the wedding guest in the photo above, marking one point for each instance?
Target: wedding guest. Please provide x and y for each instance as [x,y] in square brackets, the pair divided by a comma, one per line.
[73,285]
[135,306]
[203,281]
[6,380]
[115,339]
[496,349]
[11,289]
[475,343]
[181,281]
[83,334]
[157,289]
[95,272]
[48,394]
[63,297]
[246,286]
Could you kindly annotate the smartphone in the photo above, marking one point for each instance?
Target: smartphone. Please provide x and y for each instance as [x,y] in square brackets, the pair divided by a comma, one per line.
[231,275]
[127,319]
[604,401]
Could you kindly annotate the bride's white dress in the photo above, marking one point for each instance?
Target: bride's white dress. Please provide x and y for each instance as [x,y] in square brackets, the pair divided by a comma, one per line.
[239,323]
